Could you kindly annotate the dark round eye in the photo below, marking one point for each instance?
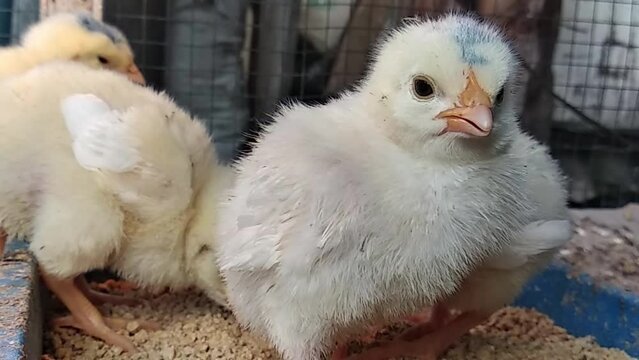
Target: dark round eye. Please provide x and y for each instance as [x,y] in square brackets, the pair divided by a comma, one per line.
[500,97]
[103,60]
[423,88]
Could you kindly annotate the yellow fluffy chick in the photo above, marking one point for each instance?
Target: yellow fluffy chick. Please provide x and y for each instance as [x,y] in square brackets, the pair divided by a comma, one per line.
[71,36]
[98,172]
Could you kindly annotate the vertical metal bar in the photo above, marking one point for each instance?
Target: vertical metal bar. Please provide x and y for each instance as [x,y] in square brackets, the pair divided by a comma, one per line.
[367,21]
[275,52]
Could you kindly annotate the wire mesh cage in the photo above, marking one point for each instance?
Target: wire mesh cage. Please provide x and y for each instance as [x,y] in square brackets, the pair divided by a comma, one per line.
[231,62]
[15,18]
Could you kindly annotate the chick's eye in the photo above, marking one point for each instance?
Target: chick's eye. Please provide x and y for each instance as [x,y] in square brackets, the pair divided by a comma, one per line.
[103,60]
[500,97]
[423,88]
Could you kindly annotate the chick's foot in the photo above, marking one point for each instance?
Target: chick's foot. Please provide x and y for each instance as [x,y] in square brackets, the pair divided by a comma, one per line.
[112,322]
[99,298]
[84,315]
[427,347]
[422,317]
[432,320]
[340,353]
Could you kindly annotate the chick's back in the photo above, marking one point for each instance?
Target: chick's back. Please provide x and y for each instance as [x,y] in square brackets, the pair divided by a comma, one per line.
[68,211]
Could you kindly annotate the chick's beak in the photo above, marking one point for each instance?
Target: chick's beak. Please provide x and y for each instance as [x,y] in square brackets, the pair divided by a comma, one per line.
[473,116]
[135,75]
[475,121]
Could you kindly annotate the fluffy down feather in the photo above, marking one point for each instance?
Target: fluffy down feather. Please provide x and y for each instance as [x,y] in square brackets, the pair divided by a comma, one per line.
[101,140]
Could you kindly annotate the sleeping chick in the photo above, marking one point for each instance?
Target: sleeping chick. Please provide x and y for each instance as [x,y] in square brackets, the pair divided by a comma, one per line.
[102,173]
[71,36]
[383,201]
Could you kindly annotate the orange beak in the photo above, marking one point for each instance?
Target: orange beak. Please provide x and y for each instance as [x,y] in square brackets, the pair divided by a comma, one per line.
[135,75]
[473,115]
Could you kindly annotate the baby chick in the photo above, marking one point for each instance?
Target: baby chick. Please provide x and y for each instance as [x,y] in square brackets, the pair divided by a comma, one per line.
[71,36]
[116,177]
[383,201]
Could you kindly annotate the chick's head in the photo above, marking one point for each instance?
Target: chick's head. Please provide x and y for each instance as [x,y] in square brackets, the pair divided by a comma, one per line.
[80,37]
[443,84]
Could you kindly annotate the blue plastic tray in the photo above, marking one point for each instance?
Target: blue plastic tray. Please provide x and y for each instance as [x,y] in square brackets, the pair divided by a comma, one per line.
[610,315]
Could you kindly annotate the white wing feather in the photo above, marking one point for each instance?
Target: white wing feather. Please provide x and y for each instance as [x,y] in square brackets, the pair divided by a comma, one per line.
[534,239]
[266,219]
[101,140]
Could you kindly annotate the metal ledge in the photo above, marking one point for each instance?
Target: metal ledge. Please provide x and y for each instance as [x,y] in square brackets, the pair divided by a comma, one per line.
[21,317]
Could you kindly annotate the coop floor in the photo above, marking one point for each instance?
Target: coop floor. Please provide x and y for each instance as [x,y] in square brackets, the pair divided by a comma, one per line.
[194,328]
[606,246]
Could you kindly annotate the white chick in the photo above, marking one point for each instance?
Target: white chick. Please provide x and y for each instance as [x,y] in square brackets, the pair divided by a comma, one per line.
[71,36]
[381,202]
[118,178]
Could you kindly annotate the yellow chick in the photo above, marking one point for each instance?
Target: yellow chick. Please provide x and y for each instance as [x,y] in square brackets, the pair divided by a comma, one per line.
[98,172]
[71,36]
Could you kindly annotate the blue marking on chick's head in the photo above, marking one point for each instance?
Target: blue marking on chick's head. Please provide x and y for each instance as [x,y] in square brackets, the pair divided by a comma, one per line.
[468,34]
[93,25]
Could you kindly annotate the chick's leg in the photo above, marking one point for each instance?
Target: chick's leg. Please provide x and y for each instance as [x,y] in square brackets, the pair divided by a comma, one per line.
[98,298]
[424,322]
[111,322]
[340,353]
[437,317]
[427,347]
[425,316]
[84,315]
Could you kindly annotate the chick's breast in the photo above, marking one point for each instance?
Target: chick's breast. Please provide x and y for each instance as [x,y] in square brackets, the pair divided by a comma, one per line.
[501,277]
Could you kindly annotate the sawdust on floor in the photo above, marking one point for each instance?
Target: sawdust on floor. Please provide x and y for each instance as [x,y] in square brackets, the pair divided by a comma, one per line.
[606,246]
[195,328]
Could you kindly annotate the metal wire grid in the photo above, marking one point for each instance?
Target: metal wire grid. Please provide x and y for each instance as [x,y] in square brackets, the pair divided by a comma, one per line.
[15,17]
[582,55]
[596,71]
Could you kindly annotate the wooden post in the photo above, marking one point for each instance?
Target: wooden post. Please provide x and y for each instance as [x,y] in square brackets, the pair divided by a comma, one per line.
[368,19]
[276,38]
[48,7]
[366,22]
